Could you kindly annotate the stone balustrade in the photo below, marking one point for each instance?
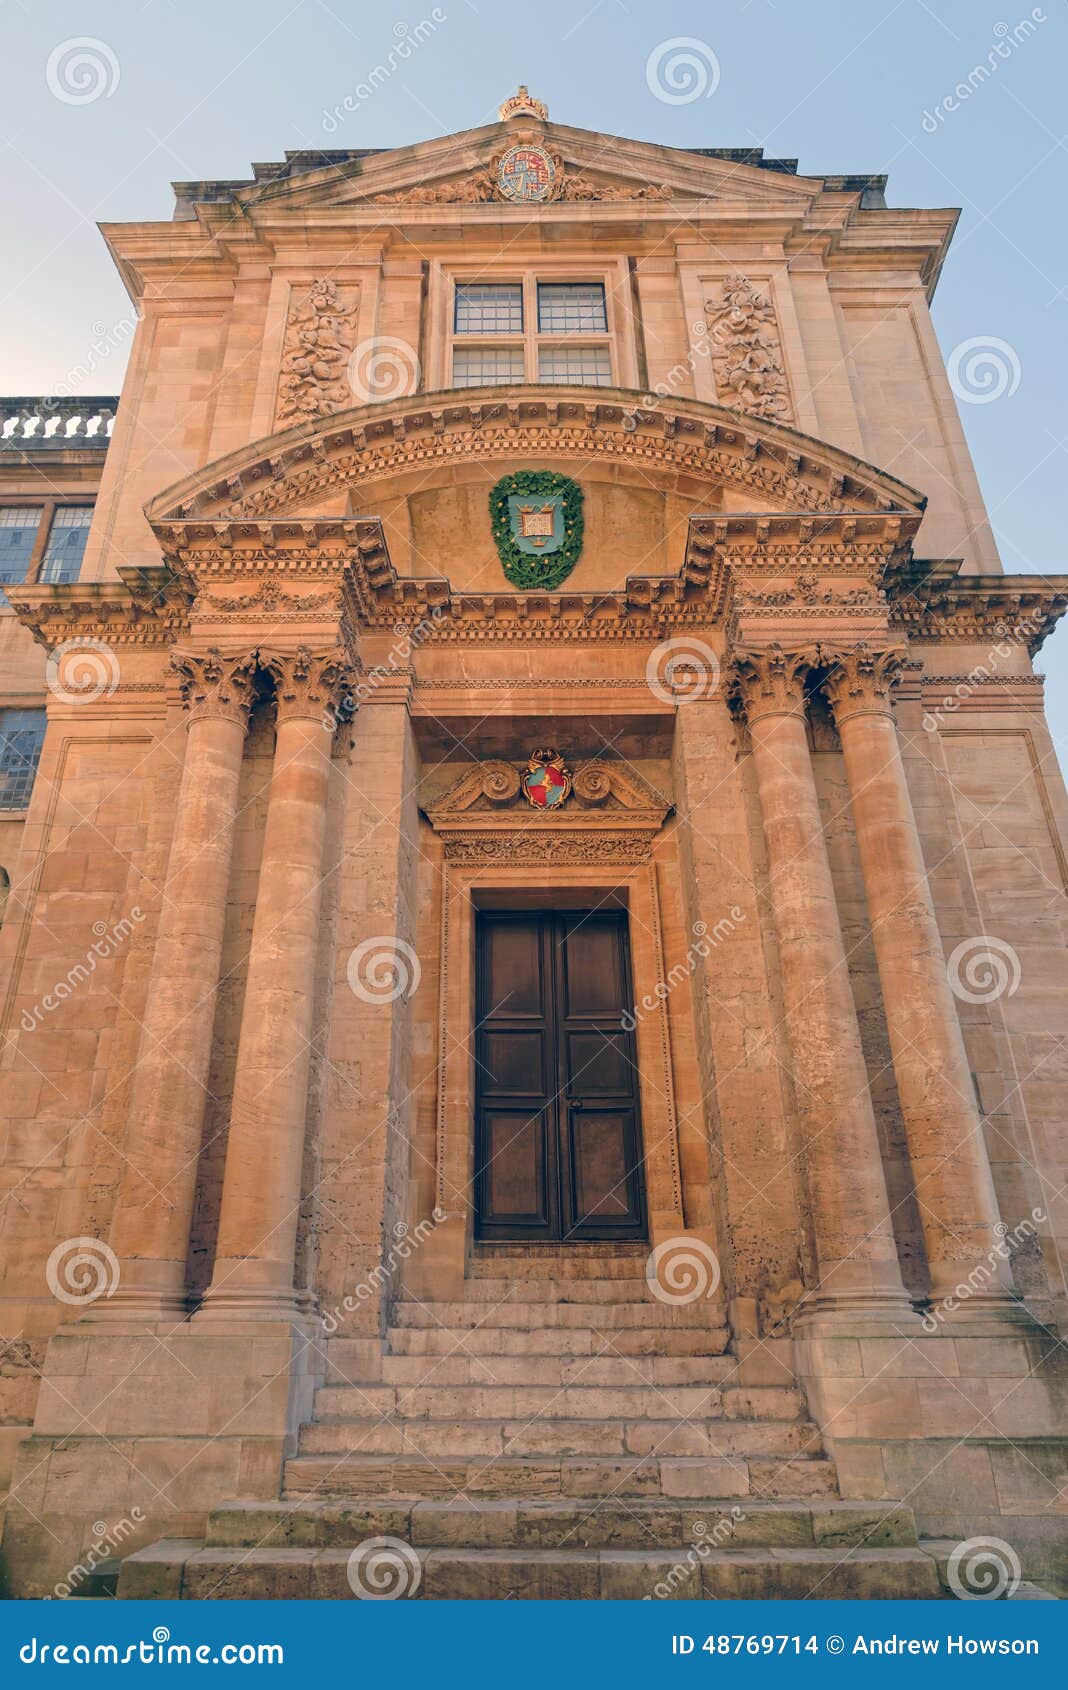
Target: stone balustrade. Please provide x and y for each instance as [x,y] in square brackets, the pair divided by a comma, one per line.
[36,422]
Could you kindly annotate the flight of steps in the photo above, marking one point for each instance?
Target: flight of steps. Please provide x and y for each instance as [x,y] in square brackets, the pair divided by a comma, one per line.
[557,1434]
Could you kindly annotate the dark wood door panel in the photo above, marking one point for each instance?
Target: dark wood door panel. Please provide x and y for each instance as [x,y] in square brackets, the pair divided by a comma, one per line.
[557,1130]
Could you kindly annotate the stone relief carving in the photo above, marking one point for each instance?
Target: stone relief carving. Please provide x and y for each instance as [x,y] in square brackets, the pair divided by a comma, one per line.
[309,683]
[481,186]
[861,678]
[461,190]
[315,354]
[216,685]
[771,681]
[776,1305]
[746,351]
[270,597]
[482,817]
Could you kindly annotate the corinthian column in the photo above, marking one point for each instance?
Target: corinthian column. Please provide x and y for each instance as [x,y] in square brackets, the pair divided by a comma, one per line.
[854,1240]
[264,1152]
[154,1209]
[950,1168]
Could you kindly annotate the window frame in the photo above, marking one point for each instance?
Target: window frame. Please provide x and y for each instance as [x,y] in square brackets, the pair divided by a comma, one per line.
[47,504]
[527,277]
[20,708]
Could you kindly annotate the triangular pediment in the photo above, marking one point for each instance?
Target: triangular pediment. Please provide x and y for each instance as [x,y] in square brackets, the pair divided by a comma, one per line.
[585,167]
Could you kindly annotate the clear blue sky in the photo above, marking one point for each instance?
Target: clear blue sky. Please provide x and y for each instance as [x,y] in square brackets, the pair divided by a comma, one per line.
[192,89]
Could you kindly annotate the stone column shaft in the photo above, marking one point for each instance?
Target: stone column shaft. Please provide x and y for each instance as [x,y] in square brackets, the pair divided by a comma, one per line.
[153,1214]
[950,1168]
[859,1271]
[254,1261]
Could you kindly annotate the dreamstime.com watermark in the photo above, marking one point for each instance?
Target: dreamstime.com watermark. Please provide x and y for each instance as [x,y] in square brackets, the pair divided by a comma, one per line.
[405,641]
[383,367]
[983,1273]
[108,1538]
[407,39]
[1006,40]
[681,670]
[983,369]
[82,69]
[703,1544]
[681,70]
[383,968]
[406,1241]
[678,378]
[682,1270]
[983,969]
[79,1270]
[107,942]
[81,671]
[704,943]
[384,1569]
[157,1651]
[984,1569]
[1010,635]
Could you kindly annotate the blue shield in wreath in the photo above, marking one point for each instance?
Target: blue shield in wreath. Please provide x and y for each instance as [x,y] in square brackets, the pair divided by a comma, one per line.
[537,522]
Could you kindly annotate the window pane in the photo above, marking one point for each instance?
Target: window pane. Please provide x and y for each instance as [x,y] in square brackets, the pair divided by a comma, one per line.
[585,366]
[489,308]
[475,366]
[21,737]
[66,543]
[18,531]
[571,308]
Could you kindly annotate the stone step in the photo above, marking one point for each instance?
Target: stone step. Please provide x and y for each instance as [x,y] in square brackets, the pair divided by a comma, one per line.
[568,1402]
[534,1317]
[415,1478]
[564,1340]
[586,1261]
[556,1436]
[162,1571]
[566,1289]
[574,1523]
[545,1370]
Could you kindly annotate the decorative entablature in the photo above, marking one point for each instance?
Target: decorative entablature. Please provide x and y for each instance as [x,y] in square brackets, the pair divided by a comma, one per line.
[145,607]
[706,443]
[936,607]
[613,816]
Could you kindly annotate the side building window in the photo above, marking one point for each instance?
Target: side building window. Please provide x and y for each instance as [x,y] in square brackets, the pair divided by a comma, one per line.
[43,542]
[21,737]
[65,548]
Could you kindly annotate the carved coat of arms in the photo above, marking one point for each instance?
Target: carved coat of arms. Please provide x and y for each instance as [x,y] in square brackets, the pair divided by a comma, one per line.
[526,174]
[536,518]
[547,781]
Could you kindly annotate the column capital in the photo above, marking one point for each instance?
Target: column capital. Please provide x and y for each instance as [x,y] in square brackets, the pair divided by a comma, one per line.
[860,679]
[771,681]
[310,683]
[216,685]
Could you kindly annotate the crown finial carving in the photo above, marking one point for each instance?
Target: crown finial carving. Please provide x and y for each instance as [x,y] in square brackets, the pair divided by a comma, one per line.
[523,104]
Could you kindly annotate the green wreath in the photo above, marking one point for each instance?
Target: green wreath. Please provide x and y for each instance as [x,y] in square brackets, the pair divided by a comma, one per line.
[522,569]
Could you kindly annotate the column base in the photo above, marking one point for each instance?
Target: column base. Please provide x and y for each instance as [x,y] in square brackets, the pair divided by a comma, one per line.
[873,1314]
[980,1315]
[140,1305]
[227,1303]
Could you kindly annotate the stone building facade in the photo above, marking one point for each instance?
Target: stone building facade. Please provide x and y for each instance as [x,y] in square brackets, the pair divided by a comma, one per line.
[535,957]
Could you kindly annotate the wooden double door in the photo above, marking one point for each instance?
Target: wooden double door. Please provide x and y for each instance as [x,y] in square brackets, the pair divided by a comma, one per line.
[557,1129]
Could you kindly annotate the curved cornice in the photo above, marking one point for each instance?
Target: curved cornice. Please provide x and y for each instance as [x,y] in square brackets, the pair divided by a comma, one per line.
[369,443]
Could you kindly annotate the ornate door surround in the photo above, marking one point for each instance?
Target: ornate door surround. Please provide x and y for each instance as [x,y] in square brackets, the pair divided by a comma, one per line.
[501,853]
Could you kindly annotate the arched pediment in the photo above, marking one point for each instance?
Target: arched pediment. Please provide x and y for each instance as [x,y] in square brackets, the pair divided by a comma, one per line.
[678,442]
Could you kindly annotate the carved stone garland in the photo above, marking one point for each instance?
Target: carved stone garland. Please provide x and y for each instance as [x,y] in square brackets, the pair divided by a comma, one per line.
[315,355]
[746,349]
